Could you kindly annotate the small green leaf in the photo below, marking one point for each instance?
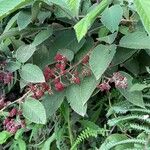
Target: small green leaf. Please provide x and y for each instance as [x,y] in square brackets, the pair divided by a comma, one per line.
[24,52]
[34,111]
[31,73]
[78,95]
[12,66]
[109,38]
[143,9]
[101,58]
[42,36]
[24,19]
[21,143]
[4,135]
[84,24]
[135,40]
[48,142]
[111,17]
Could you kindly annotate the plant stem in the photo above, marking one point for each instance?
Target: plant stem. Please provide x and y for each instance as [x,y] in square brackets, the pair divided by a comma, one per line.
[69,129]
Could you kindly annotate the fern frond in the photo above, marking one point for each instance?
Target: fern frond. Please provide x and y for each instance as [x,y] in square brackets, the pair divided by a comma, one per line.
[140,127]
[86,134]
[110,145]
[117,120]
[140,110]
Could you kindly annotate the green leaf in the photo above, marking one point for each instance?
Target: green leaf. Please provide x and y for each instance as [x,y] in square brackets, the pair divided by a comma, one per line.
[48,142]
[31,73]
[52,102]
[4,135]
[115,138]
[143,9]
[111,17]
[21,143]
[11,22]
[134,97]
[78,95]
[24,19]
[34,111]
[42,36]
[24,52]
[101,58]
[139,87]
[108,39]
[9,6]
[136,40]
[84,24]
[122,54]
[12,66]
[71,6]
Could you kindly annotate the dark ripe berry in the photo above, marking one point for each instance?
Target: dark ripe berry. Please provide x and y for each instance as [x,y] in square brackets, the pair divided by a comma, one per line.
[13,112]
[76,80]
[59,86]
[85,60]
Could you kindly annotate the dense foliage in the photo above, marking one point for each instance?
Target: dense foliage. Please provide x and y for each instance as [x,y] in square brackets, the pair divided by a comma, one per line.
[74,74]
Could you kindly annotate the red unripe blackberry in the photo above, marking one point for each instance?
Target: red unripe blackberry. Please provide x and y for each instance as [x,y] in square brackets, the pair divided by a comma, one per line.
[59,86]
[13,112]
[76,80]
[85,60]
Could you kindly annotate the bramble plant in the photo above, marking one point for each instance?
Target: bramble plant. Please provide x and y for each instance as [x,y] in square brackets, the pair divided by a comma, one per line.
[74,74]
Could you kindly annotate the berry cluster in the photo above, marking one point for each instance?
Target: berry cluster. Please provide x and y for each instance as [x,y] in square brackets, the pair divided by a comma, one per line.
[5,76]
[38,90]
[119,80]
[14,122]
[63,74]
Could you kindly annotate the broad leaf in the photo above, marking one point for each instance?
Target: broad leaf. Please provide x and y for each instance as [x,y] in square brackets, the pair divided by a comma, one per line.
[21,144]
[34,111]
[71,6]
[52,102]
[24,52]
[134,97]
[111,17]
[31,73]
[139,87]
[78,95]
[143,9]
[8,6]
[136,40]
[42,36]
[24,19]
[83,25]
[101,58]
[4,135]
